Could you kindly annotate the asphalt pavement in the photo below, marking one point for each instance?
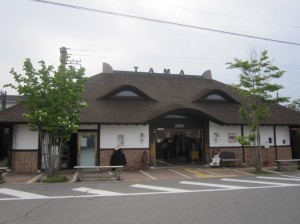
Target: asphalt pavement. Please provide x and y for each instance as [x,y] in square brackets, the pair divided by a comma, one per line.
[158,173]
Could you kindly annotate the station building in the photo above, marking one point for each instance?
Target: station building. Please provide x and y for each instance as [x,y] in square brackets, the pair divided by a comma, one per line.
[156,118]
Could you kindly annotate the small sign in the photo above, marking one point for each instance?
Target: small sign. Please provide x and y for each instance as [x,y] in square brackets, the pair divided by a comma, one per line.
[179,125]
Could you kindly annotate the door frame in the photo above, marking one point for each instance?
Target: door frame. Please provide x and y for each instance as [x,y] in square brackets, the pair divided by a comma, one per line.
[79,135]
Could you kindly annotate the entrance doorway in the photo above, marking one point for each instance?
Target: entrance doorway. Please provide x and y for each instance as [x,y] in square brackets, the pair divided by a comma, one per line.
[4,146]
[175,147]
[87,148]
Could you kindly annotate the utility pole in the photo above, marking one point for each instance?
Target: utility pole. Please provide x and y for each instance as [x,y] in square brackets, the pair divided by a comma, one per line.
[72,62]
[4,94]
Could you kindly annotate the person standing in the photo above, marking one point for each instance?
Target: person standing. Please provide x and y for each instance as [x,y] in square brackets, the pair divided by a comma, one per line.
[118,157]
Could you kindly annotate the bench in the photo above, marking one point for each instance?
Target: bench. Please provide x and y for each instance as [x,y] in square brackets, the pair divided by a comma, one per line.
[282,162]
[97,169]
[1,177]
[228,157]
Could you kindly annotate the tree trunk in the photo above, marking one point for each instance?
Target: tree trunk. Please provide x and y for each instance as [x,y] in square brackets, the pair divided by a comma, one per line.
[258,152]
[51,152]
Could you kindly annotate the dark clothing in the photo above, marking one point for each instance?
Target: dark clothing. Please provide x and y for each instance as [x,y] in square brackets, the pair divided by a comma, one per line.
[118,158]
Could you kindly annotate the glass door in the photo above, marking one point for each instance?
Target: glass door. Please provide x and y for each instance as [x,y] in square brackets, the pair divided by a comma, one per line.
[87,148]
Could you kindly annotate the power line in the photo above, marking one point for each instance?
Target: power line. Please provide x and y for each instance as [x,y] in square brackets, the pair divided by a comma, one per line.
[147,59]
[139,54]
[220,14]
[165,22]
[189,60]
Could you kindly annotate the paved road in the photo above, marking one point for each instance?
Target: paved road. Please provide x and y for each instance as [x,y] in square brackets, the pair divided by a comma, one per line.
[247,199]
[107,189]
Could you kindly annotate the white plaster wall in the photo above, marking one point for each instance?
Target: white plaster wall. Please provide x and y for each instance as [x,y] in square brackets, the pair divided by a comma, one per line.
[24,139]
[282,135]
[132,136]
[266,132]
[218,135]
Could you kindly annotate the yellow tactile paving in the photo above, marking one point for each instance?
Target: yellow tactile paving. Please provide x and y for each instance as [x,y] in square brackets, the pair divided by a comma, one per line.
[197,173]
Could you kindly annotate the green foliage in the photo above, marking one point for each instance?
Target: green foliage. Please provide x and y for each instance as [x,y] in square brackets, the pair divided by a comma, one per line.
[53,98]
[256,87]
[55,179]
[246,140]
[255,78]
[53,104]
[295,105]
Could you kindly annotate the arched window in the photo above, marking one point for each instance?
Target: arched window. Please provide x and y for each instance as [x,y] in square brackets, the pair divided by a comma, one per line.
[215,97]
[126,93]
[175,116]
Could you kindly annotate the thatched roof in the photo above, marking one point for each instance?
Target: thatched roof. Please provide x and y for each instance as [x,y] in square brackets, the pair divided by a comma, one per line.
[161,94]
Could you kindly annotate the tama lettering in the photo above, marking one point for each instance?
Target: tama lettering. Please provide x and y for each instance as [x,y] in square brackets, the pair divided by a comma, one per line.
[165,72]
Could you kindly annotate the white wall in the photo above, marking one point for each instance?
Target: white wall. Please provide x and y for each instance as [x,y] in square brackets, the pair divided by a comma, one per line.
[24,139]
[132,136]
[266,133]
[282,135]
[218,135]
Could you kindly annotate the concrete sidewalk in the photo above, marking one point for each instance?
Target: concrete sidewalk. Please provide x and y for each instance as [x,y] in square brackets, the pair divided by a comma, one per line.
[169,173]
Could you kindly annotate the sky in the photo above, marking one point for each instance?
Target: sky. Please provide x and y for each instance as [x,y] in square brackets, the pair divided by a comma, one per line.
[35,30]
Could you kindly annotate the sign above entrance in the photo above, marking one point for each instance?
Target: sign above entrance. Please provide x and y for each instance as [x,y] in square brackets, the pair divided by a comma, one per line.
[179,125]
[166,71]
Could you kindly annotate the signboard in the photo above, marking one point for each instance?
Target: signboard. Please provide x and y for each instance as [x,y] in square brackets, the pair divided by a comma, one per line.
[179,125]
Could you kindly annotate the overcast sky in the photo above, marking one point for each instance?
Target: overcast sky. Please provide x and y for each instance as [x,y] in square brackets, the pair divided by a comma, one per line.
[36,30]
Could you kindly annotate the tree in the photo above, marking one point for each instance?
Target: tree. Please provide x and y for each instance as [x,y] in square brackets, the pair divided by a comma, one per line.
[255,86]
[53,105]
[295,105]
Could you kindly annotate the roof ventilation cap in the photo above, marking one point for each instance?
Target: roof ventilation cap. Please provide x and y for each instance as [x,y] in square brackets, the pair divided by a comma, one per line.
[107,68]
[207,74]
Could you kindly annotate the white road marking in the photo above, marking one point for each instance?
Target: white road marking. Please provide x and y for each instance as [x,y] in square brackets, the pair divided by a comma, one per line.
[213,185]
[147,174]
[21,194]
[35,179]
[278,178]
[279,173]
[258,182]
[114,194]
[167,189]
[96,191]
[181,174]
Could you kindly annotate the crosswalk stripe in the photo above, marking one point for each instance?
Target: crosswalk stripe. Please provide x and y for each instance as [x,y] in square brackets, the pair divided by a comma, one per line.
[96,191]
[257,182]
[21,194]
[212,185]
[167,189]
[278,178]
